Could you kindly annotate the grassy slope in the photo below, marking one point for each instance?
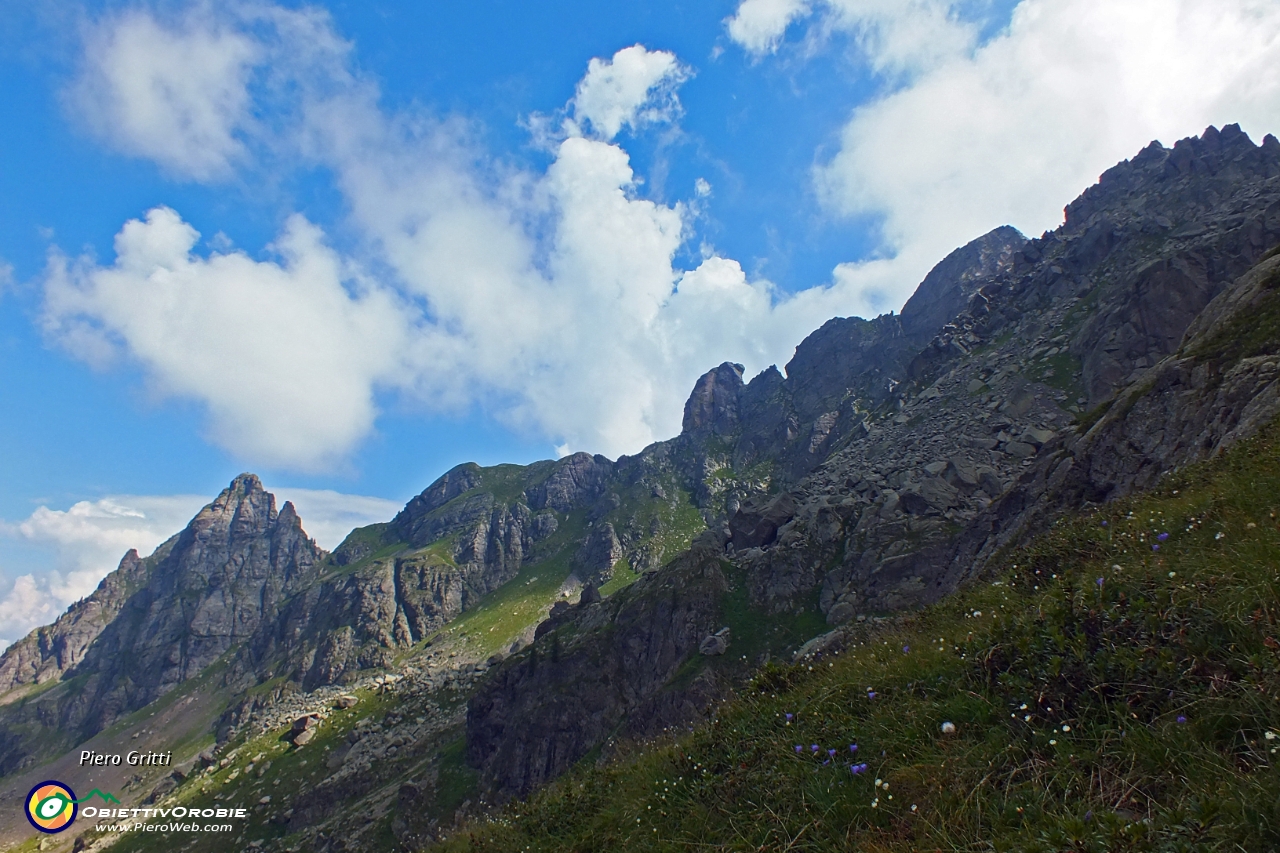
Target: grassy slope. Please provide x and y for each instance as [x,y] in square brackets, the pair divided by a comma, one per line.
[1108,696]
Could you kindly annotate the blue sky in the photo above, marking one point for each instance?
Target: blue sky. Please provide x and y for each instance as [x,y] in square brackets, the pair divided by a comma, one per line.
[349,245]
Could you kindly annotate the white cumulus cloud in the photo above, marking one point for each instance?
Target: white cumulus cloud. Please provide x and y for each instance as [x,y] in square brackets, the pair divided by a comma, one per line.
[285,355]
[176,94]
[635,87]
[758,25]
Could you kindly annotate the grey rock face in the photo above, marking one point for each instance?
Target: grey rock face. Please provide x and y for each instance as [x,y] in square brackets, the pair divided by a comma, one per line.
[578,480]
[46,653]
[949,286]
[543,708]
[713,405]
[412,521]
[1222,385]
[594,561]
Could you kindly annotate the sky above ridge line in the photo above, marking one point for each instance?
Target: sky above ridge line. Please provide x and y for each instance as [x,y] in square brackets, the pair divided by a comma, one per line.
[349,245]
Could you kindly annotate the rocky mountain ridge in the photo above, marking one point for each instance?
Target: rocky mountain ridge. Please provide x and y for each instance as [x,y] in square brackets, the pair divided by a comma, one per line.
[571,602]
[965,452]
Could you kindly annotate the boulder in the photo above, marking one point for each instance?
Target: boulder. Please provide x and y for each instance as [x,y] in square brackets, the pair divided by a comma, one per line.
[1036,437]
[839,614]
[715,644]
[960,472]
[939,494]
[756,522]
[302,724]
[1019,449]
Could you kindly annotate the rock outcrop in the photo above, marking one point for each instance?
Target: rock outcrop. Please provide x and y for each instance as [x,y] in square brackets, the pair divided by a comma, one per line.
[47,653]
[603,662]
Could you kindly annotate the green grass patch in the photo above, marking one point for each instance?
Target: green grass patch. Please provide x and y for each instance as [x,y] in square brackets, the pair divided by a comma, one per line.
[457,782]
[1059,371]
[502,615]
[1251,332]
[755,633]
[623,577]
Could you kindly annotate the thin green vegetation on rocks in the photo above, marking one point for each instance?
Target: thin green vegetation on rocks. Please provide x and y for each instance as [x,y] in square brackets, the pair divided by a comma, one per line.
[1114,687]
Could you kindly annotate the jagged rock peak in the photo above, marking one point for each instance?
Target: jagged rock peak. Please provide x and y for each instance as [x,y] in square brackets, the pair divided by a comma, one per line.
[1214,152]
[713,405]
[947,288]
[243,508]
[200,594]
[455,481]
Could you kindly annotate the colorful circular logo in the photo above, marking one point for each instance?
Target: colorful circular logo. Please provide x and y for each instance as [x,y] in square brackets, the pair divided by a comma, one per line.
[51,806]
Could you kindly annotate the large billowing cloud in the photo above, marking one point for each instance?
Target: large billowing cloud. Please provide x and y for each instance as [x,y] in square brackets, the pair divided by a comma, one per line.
[86,541]
[285,354]
[552,298]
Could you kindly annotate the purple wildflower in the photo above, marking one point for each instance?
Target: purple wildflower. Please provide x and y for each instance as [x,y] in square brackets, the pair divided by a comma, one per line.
[1163,536]
[1099,581]
[789,718]
[1088,816]
[815,747]
[825,763]
[906,649]
[799,748]
[1104,523]
[857,768]
[831,752]
[871,694]
[1155,547]
[1181,719]
[853,747]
